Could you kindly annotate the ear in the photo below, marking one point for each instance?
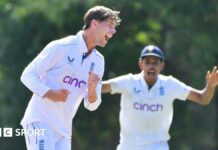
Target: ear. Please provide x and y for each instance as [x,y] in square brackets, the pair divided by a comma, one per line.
[94,23]
[162,65]
[140,63]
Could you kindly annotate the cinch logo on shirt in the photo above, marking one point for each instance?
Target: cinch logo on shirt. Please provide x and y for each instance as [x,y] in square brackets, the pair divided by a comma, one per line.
[74,81]
[147,107]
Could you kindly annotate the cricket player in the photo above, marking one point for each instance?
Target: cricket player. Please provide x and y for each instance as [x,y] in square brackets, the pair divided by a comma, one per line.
[147,101]
[66,72]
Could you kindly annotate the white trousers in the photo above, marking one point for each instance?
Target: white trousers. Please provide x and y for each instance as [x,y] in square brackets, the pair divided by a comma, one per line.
[39,136]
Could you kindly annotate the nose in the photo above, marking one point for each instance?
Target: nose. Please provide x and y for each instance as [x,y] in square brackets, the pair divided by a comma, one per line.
[113,30]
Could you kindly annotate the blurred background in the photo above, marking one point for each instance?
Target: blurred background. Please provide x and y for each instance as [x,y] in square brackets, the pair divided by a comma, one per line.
[187,31]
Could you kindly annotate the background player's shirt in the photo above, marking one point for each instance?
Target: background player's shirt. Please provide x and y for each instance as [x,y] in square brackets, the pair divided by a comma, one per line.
[146,115]
[61,65]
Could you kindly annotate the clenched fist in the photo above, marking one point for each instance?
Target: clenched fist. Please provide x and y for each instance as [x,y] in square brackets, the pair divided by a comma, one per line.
[59,95]
[92,84]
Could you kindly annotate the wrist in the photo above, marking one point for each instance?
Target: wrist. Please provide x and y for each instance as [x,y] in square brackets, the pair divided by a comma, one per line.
[211,86]
[92,96]
[48,93]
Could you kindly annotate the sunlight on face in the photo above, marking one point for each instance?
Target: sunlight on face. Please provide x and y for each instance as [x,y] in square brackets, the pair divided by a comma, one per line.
[105,30]
[151,66]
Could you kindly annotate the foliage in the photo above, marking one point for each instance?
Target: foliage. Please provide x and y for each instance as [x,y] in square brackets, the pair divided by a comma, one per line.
[185,30]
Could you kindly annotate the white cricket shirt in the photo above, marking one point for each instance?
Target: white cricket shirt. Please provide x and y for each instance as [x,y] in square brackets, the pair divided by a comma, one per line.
[146,115]
[61,65]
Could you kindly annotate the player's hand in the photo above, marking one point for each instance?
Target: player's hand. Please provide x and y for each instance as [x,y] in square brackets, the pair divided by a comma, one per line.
[93,81]
[92,84]
[212,77]
[57,95]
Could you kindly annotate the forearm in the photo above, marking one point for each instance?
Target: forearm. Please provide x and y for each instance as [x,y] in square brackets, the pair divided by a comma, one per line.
[202,97]
[212,81]
[207,94]
[92,101]
[92,95]
[106,87]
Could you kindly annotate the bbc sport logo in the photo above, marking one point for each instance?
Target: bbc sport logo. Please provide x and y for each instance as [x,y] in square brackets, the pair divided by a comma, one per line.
[6,132]
[10,132]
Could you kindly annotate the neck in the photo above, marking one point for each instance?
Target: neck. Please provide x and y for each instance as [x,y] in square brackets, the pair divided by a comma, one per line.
[149,86]
[150,83]
[89,40]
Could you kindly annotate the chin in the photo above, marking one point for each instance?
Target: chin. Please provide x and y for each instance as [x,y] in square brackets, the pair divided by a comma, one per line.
[153,78]
[102,45]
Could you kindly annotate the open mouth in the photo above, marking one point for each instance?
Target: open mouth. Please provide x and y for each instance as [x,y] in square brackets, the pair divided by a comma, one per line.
[151,73]
[107,37]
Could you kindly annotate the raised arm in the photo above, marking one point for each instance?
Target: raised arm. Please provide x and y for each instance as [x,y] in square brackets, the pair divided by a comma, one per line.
[92,85]
[204,96]
[106,87]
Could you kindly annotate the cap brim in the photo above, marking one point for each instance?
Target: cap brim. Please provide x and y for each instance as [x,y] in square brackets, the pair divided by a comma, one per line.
[152,55]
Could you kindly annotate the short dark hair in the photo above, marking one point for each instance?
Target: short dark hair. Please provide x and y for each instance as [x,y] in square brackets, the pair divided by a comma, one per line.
[100,13]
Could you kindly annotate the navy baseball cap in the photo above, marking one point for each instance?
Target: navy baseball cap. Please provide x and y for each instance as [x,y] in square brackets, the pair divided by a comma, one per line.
[152,50]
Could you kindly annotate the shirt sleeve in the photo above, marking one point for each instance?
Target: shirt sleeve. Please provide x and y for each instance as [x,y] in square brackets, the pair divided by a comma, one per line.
[180,89]
[93,106]
[120,84]
[34,72]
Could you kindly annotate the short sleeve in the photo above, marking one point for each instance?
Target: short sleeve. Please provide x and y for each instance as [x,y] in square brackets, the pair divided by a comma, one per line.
[180,89]
[120,84]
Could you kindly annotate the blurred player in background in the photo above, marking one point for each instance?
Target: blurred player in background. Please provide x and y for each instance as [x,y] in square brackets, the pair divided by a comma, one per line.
[65,72]
[147,101]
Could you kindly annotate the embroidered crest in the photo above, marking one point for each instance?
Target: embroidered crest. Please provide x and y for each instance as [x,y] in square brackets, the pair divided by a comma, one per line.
[92,66]
[162,91]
